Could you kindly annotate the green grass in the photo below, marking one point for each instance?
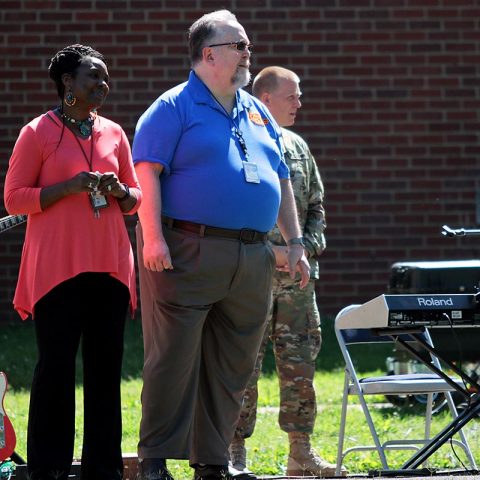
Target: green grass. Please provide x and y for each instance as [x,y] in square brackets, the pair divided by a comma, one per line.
[268,448]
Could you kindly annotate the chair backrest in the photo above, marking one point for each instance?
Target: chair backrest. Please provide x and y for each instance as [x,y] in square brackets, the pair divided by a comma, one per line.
[365,336]
[369,335]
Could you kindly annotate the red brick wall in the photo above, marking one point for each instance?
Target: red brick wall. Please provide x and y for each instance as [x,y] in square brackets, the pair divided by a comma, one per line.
[390,109]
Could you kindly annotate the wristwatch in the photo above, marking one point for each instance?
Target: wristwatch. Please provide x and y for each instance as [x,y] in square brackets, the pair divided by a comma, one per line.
[296,241]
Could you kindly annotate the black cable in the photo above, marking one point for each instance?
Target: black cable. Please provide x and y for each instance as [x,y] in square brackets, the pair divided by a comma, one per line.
[459,348]
[452,446]
[460,361]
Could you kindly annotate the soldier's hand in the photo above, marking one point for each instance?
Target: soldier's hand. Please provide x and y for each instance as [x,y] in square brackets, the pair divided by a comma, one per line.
[281,261]
[297,262]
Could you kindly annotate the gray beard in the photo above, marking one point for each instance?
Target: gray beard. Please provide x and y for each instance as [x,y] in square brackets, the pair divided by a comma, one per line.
[241,78]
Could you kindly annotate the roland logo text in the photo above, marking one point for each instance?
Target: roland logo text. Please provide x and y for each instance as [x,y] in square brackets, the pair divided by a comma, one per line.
[435,302]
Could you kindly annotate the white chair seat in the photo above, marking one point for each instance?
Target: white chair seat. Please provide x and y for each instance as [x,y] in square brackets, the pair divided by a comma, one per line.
[413,384]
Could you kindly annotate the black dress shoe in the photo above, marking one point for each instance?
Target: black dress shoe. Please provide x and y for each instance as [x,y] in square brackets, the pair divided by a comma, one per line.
[153,469]
[211,472]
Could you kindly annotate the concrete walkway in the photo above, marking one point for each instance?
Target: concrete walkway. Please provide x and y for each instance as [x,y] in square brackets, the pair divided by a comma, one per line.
[130,473]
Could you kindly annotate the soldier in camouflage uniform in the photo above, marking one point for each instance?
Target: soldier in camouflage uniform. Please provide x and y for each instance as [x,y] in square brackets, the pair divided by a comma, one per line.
[294,324]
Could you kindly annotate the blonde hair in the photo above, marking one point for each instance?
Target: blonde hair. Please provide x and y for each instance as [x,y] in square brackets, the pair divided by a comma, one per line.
[267,79]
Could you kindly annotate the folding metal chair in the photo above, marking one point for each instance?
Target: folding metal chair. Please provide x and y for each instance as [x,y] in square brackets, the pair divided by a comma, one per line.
[428,384]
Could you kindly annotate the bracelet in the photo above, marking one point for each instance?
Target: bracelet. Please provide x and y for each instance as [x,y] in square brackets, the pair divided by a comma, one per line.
[127,193]
[296,241]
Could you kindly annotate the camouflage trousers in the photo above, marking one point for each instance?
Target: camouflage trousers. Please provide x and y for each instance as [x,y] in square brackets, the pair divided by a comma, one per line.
[294,329]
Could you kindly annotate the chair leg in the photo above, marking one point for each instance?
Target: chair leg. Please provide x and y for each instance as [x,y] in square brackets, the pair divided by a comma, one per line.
[428,415]
[428,420]
[373,431]
[463,438]
[343,419]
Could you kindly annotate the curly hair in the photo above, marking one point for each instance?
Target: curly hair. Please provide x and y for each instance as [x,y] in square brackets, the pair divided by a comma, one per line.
[68,60]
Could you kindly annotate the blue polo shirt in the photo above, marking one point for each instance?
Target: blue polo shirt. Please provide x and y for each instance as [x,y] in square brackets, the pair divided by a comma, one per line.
[203,180]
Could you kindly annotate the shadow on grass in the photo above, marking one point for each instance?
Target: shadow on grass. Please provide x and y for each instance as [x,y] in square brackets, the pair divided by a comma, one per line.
[18,353]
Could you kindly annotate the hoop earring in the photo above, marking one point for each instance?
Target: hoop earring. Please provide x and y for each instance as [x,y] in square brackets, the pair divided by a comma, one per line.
[70,99]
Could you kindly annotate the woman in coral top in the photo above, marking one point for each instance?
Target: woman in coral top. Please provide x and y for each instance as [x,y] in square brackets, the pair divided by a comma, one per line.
[71,172]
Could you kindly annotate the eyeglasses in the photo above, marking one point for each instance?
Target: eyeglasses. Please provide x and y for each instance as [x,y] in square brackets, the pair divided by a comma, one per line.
[240,46]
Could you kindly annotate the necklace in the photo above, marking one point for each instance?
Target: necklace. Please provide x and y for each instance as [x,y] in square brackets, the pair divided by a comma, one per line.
[85,126]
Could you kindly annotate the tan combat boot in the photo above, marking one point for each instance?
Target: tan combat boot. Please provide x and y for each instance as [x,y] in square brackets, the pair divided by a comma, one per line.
[304,462]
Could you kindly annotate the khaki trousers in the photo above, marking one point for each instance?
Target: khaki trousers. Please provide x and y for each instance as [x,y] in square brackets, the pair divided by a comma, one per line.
[203,323]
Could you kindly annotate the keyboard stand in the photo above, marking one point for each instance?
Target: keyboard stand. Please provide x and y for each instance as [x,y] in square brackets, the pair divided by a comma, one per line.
[473,400]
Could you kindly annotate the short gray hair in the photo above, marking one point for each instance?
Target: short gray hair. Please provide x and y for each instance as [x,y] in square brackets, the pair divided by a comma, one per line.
[204,29]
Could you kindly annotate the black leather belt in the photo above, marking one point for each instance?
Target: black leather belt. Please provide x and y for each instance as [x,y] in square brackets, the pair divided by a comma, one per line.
[244,235]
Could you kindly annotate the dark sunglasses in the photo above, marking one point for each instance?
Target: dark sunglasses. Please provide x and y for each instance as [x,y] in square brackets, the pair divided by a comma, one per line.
[240,46]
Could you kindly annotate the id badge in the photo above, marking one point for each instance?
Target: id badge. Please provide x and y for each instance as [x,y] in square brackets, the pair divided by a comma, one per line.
[98,200]
[251,172]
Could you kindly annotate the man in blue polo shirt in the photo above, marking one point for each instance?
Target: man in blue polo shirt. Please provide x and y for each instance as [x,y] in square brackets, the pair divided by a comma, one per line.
[209,160]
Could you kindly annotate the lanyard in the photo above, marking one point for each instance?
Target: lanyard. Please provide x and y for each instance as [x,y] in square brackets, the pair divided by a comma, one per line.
[241,141]
[89,161]
[236,128]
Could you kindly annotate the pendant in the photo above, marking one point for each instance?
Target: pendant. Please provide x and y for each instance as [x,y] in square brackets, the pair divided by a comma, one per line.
[85,129]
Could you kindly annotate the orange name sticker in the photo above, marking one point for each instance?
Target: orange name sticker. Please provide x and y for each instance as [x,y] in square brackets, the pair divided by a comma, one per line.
[256,118]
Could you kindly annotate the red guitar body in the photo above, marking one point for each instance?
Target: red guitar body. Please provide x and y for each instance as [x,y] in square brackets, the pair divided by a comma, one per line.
[8,439]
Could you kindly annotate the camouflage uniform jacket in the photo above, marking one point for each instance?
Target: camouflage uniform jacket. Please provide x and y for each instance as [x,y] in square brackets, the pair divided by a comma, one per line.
[309,193]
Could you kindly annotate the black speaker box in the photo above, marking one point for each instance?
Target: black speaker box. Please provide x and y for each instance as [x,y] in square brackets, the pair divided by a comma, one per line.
[455,276]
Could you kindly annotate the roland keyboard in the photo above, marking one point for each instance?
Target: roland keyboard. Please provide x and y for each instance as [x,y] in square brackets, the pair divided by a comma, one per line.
[407,311]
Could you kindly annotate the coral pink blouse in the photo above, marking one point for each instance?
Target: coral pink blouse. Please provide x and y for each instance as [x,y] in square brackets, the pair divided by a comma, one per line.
[66,239]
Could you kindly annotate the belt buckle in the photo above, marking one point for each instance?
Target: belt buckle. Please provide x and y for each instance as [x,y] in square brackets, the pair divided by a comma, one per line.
[247,235]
